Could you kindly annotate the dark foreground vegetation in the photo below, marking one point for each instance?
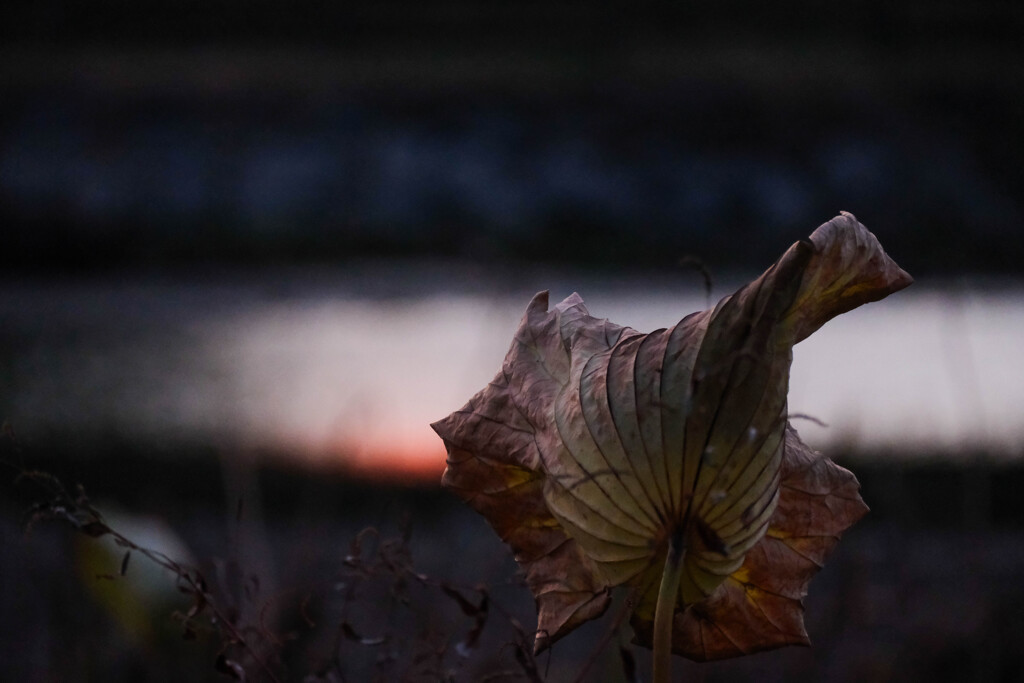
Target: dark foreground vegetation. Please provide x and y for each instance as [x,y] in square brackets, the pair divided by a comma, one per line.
[311,576]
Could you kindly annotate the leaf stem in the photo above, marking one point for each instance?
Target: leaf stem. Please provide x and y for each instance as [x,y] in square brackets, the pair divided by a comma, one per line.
[665,609]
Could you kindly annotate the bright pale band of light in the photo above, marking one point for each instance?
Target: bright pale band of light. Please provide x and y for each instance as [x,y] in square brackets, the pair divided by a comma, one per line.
[356,382]
[362,381]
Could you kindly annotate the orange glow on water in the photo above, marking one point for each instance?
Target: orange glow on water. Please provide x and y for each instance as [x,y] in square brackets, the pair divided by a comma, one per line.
[413,456]
[397,463]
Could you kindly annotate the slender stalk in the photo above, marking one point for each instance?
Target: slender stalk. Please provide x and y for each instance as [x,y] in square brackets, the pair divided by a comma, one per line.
[665,610]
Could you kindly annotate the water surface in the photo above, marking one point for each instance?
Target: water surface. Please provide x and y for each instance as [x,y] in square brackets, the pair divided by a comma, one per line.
[353,366]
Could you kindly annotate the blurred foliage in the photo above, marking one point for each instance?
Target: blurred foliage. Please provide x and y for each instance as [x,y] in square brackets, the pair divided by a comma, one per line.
[883,610]
[137,134]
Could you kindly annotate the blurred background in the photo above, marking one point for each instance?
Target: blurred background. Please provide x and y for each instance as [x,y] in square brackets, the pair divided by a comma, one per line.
[251,250]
